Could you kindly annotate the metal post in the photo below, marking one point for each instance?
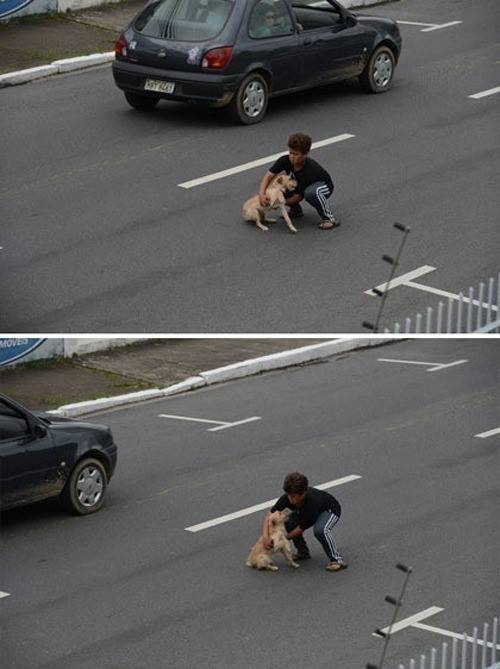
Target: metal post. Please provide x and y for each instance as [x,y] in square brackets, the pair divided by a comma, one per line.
[474,649]
[449,314]
[429,320]
[498,298]
[459,312]
[439,317]
[469,310]
[408,326]
[490,300]
[464,651]
[485,646]
[480,306]
[454,653]
[397,328]
[444,648]
[418,323]
[422,661]
[495,629]
[433,658]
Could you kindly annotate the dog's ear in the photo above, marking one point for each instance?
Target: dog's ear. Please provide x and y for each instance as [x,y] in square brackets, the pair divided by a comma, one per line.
[280,178]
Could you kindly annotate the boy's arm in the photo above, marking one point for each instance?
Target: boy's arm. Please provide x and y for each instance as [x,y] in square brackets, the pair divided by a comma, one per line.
[264,200]
[296,532]
[265,532]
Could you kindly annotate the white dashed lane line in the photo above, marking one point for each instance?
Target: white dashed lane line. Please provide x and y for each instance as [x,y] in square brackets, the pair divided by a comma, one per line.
[4,594]
[257,163]
[263,505]
[484,94]
[489,433]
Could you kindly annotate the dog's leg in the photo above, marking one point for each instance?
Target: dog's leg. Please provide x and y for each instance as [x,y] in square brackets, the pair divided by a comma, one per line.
[288,557]
[285,215]
[262,220]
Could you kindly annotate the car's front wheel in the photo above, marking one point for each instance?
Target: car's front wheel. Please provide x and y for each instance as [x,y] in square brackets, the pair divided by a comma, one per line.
[249,103]
[141,102]
[85,489]
[379,71]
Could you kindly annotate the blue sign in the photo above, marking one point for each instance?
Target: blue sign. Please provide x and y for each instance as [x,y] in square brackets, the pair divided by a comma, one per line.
[13,349]
[10,6]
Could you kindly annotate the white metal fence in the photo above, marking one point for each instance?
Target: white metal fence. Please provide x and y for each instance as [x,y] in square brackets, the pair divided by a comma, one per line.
[475,312]
[466,652]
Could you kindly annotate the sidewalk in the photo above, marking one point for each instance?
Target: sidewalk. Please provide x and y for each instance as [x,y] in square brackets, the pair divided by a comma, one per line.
[39,40]
[155,363]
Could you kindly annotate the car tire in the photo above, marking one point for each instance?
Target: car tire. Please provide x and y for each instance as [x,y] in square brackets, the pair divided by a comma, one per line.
[379,71]
[86,487]
[141,102]
[249,103]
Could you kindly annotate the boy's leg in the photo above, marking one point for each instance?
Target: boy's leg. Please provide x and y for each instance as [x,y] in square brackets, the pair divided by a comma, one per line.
[317,195]
[323,532]
[299,542]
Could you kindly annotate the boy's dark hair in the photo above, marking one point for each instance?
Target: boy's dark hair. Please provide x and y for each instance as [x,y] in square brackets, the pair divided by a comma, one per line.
[300,142]
[295,483]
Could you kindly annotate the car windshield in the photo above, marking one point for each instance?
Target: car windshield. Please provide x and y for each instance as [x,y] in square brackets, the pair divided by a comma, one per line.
[184,20]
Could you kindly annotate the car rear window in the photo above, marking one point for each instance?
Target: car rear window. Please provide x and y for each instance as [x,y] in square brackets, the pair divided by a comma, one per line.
[184,20]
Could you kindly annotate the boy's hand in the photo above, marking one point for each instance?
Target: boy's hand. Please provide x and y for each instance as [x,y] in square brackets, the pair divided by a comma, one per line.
[264,200]
[268,544]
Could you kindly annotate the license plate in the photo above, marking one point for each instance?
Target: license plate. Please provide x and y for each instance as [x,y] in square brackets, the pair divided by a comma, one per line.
[159,86]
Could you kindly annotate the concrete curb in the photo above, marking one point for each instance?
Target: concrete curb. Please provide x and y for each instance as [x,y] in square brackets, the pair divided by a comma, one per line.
[83,62]
[56,67]
[237,370]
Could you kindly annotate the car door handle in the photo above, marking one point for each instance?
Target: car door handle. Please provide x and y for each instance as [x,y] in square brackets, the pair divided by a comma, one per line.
[307,41]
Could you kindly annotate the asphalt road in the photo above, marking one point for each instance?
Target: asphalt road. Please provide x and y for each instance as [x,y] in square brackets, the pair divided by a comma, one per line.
[131,588]
[97,235]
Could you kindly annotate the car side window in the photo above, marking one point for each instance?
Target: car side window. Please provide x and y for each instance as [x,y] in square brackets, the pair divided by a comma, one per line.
[13,425]
[312,18]
[270,18]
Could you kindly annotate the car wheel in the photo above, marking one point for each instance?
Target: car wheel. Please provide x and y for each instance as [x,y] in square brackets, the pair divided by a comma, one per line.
[249,103]
[85,489]
[141,102]
[378,73]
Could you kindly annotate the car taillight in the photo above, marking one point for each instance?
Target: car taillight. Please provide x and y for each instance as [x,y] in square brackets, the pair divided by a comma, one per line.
[217,58]
[121,47]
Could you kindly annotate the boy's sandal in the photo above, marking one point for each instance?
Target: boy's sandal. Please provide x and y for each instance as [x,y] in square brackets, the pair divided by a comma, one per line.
[335,566]
[328,225]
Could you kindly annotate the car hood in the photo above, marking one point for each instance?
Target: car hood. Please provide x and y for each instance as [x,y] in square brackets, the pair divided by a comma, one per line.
[66,424]
[377,22]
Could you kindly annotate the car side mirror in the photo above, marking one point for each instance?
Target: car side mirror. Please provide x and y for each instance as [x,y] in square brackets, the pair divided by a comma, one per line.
[350,21]
[39,430]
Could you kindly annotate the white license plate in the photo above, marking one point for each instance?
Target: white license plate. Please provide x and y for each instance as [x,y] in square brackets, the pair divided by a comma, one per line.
[159,86]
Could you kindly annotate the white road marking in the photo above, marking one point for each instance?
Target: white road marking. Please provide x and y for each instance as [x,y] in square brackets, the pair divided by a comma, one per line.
[408,622]
[239,422]
[406,280]
[223,425]
[429,26]
[483,94]
[258,163]
[433,366]
[438,630]
[442,25]
[403,279]
[489,433]
[264,505]
[4,594]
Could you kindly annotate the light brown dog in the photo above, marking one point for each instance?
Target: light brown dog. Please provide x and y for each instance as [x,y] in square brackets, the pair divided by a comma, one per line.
[278,186]
[260,557]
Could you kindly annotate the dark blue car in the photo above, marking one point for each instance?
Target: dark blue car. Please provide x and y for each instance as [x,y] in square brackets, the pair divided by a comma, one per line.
[239,53]
[43,456]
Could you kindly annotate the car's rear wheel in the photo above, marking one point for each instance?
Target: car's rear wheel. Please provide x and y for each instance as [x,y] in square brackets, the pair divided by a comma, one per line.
[85,489]
[141,102]
[379,71]
[249,103]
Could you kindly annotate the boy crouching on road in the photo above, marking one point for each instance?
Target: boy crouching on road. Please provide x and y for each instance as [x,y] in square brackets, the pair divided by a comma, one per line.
[314,184]
[310,508]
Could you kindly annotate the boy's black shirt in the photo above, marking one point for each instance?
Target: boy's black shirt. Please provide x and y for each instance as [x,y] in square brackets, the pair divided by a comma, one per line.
[310,173]
[316,501]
